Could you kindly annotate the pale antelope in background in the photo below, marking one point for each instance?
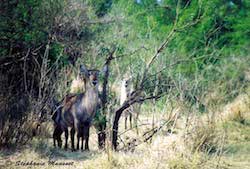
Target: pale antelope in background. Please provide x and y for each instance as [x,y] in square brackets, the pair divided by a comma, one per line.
[133,111]
[79,110]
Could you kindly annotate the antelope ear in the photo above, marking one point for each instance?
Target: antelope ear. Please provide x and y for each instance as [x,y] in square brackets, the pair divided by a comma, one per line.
[83,70]
[104,69]
[97,73]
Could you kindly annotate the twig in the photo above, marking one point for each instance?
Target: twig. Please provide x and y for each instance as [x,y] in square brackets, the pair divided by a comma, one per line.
[145,124]
[138,92]
[162,46]
[24,70]
[221,150]
[150,136]
[131,53]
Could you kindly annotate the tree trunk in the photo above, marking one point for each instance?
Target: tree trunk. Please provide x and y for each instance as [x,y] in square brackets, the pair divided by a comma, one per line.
[102,132]
[118,114]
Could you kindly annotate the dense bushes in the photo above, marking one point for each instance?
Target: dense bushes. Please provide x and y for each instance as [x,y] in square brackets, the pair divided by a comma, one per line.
[38,38]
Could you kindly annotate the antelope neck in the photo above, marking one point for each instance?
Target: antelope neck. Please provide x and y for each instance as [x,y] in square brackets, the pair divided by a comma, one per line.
[90,89]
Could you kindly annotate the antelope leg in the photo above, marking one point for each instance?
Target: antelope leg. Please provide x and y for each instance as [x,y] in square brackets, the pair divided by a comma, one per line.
[54,138]
[66,139]
[78,140]
[82,140]
[59,140]
[72,135]
[86,135]
[130,120]
[126,122]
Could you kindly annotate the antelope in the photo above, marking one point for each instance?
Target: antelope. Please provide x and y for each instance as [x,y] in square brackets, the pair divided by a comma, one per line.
[78,110]
[76,86]
[125,91]
[56,111]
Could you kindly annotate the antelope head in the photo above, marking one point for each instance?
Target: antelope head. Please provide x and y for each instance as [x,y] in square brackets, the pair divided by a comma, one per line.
[90,77]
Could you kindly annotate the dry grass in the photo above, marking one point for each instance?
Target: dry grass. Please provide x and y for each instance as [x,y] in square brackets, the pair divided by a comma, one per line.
[200,144]
[166,151]
[205,138]
[239,109]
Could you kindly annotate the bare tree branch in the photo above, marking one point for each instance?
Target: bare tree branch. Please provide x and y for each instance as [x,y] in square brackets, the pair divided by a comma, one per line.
[135,97]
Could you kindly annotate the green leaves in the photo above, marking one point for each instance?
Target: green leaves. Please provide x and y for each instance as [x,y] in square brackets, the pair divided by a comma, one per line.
[99,119]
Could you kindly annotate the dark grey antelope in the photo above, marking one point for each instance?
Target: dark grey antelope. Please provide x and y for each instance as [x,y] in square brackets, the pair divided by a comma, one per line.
[79,110]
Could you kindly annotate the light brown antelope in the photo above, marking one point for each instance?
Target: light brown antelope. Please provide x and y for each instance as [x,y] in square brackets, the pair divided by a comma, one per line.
[79,110]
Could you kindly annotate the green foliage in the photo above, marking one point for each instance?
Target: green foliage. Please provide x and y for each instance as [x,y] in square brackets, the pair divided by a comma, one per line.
[57,52]
[101,7]
[99,120]
[27,24]
[218,33]
[209,35]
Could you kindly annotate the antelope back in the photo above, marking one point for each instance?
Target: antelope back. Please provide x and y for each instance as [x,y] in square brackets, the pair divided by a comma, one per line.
[126,89]
[77,85]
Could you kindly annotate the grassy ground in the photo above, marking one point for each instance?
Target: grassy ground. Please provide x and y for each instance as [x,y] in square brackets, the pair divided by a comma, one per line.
[223,144]
[237,127]
[237,147]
